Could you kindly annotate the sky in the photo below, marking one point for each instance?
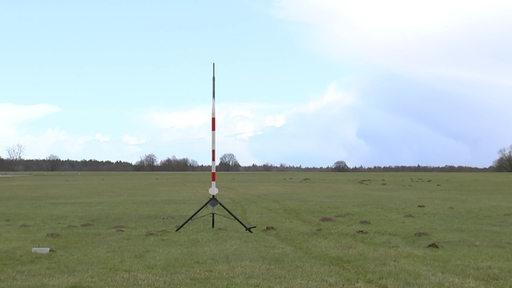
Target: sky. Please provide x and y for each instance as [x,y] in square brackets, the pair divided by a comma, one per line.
[298,82]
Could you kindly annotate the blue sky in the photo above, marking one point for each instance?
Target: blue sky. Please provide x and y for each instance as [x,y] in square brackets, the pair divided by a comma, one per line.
[302,82]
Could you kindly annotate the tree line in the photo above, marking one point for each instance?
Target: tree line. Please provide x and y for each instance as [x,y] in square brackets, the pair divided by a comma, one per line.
[227,162]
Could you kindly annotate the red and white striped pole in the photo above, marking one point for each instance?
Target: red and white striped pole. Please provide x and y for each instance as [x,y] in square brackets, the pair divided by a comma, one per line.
[213,190]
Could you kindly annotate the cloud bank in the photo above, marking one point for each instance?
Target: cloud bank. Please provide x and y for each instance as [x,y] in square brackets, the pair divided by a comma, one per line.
[464,40]
[434,78]
[19,125]
[264,132]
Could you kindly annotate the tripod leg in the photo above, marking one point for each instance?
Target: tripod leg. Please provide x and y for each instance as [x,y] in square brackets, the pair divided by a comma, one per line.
[248,229]
[195,213]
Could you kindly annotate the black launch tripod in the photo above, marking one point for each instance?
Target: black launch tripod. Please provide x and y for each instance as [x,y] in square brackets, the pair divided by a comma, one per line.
[213,202]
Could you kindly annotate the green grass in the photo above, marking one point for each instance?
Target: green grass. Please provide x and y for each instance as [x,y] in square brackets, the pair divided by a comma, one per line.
[117,230]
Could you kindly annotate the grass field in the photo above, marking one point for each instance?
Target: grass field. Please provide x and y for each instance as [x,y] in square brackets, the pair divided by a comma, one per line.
[313,230]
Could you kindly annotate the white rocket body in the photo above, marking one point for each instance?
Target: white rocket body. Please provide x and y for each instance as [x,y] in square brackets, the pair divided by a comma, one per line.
[213,190]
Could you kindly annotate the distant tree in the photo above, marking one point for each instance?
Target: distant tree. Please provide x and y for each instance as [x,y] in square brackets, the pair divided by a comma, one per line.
[340,166]
[52,162]
[146,163]
[3,164]
[504,162]
[228,162]
[53,157]
[15,152]
[175,164]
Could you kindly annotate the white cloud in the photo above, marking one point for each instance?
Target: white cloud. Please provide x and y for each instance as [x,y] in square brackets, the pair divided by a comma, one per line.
[264,132]
[317,132]
[333,98]
[277,120]
[242,121]
[15,114]
[238,120]
[134,140]
[26,125]
[424,38]
[435,74]
[101,138]
[61,143]
[178,119]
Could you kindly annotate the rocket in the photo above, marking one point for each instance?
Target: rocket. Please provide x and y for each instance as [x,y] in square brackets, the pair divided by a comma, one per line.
[213,189]
[214,201]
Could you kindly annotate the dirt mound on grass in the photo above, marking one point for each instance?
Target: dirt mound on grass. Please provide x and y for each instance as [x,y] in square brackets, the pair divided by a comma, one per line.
[433,245]
[156,233]
[119,228]
[52,234]
[326,219]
